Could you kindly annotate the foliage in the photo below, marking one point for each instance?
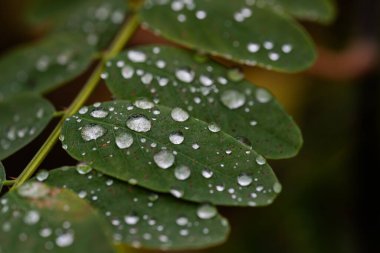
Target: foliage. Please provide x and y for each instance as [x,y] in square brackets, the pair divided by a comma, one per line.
[182,123]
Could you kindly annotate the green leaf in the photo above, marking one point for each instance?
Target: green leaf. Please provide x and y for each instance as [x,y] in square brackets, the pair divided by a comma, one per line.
[231,29]
[314,10]
[2,176]
[45,65]
[138,145]
[259,118]
[22,119]
[42,219]
[143,218]
[97,20]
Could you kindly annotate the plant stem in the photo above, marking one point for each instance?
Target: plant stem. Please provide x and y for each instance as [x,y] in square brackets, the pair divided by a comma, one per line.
[58,114]
[9,182]
[122,38]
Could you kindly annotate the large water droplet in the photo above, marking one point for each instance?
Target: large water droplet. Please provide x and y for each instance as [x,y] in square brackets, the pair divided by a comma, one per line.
[131,219]
[244,179]
[182,172]
[31,217]
[263,96]
[33,190]
[99,114]
[277,187]
[206,211]
[64,240]
[253,47]
[139,123]
[179,114]
[92,132]
[206,80]
[144,104]
[260,160]
[164,159]
[207,173]
[233,99]
[214,127]
[127,72]
[185,75]
[83,169]
[176,138]
[136,56]
[42,175]
[124,140]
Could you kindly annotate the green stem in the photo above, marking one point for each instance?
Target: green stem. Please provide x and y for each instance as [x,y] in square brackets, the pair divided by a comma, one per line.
[123,37]
[58,114]
[9,182]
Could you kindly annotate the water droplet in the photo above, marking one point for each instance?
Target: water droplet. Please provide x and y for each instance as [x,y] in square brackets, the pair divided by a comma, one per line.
[287,48]
[83,169]
[83,110]
[136,56]
[206,211]
[42,175]
[176,138]
[131,219]
[127,72]
[207,173]
[144,104]
[182,221]
[33,190]
[263,96]
[253,47]
[65,240]
[164,159]
[185,75]
[277,187]
[274,56]
[260,160]
[201,14]
[124,140]
[244,179]
[195,146]
[179,115]
[182,172]
[206,80]
[235,75]
[139,123]
[99,114]
[233,99]
[214,128]
[176,192]
[31,217]
[92,132]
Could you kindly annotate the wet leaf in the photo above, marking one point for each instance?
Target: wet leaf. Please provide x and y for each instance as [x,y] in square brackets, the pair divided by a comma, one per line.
[36,218]
[2,176]
[97,21]
[232,29]
[22,119]
[212,92]
[166,150]
[313,10]
[44,65]
[142,218]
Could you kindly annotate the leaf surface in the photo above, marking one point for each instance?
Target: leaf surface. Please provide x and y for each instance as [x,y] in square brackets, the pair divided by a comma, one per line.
[22,119]
[175,78]
[165,150]
[142,218]
[44,65]
[244,33]
[2,176]
[41,219]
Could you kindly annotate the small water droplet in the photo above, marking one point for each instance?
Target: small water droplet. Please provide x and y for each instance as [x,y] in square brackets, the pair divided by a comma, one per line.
[253,47]
[127,72]
[206,211]
[124,140]
[206,80]
[42,175]
[207,173]
[144,104]
[139,123]
[182,221]
[214,128]
[185,75]
[92,132]
[179,115]
[235,75]
[64,240]
[277,187]
[33,190]
[136,56]
[233,99]
[131,219]
[260,160]
[176,192]
[244,179]
[176,138]
[164,159]
[83,110]
[83,169]
[263,96]
[99,114]
[182,172]
[31,217]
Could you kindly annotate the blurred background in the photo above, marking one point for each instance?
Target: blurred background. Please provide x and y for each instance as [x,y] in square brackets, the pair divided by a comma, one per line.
[330,190]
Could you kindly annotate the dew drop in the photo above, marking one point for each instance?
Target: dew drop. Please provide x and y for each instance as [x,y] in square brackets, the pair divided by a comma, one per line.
[33,190]
[207,173]
[176,138]
[124,140]
[277,187]
[31,217]
[233,99]
[182,221]
[206,211]
[99,114]
[182,172]
[253,47]
[179,115]
[176,192]
[131,219]
[213,127]
[263,96]
[127,72]
[244,179]
[144,104]
[65,240]
[206,80]
[83,110]
[42,175]
[164,159]
[260,160]
[92,132]
[185,75]
[235,75]
[83,169]
[139,123]
[136,56]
